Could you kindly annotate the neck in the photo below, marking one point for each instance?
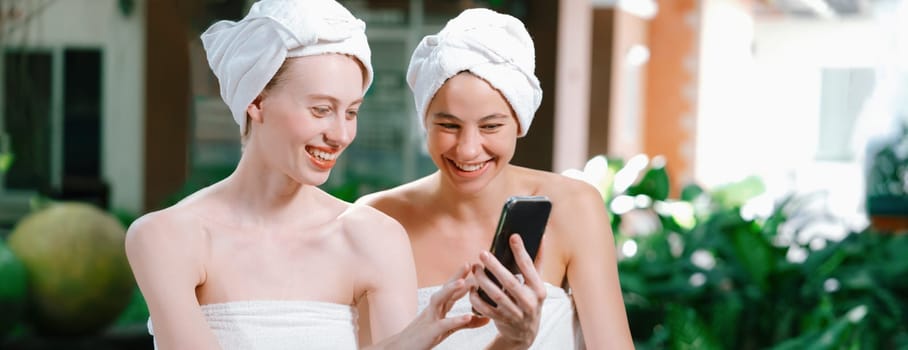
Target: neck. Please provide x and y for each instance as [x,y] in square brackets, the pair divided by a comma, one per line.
[260,193]
[484,204]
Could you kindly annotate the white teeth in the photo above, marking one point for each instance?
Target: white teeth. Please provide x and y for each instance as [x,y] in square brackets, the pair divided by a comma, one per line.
[469,167]
[323,155]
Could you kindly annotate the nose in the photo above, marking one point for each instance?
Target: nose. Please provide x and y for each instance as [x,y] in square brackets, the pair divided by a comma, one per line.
[469,144]
[341,132]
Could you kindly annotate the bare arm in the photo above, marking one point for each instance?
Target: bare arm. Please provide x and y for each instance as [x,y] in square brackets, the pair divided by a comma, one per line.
[390,300]
[167,267]
[388,275]
[592,271]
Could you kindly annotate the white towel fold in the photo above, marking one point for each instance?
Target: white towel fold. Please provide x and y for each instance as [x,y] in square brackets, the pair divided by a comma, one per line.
[496,47]
[274,325]
[245,55]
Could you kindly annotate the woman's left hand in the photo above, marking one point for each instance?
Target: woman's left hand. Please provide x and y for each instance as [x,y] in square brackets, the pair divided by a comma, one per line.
[432,325]
[519,304]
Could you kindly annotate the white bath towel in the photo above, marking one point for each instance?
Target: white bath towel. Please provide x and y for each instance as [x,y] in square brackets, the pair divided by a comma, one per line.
[245,55]
[559,327]
[273,325]
[496,47]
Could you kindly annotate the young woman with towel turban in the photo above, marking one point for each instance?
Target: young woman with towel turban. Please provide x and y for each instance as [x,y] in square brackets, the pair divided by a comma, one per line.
[264,259]
[476,93]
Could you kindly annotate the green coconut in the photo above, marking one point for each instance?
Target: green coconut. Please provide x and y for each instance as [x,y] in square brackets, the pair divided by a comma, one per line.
[13,289]
[79,280]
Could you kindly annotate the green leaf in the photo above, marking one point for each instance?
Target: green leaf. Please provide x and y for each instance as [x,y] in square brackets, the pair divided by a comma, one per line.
[754,253]
[691,192]
[6,161]
[688,330]
[737,193]
[654,184]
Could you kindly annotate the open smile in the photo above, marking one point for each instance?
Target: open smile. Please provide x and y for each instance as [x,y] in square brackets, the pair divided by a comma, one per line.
[323,158]
[473,169]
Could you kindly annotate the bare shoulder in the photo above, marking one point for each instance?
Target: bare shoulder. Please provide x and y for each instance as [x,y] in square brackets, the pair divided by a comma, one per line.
[565,191]
[379,245]
[371,230]
[360,218]
[398,201]
[167,248]
[577,207]
[167,232]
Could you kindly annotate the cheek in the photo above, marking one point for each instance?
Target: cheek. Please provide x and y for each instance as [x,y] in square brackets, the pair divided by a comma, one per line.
[440,141]
[503,145]
[351,127]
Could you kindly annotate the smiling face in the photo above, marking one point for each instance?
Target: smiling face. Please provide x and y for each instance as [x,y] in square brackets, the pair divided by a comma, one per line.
[472,132]
[307,116]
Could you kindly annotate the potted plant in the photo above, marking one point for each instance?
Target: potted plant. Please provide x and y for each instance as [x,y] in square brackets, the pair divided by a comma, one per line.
[887,182]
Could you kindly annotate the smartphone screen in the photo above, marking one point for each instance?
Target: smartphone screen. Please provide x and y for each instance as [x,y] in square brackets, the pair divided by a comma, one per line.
[526,216]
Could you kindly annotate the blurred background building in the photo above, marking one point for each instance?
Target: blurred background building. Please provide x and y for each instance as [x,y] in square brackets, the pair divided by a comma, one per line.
[112,101]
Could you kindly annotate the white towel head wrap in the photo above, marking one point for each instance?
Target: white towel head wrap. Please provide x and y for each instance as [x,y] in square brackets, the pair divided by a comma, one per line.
[496,47]
[245,55]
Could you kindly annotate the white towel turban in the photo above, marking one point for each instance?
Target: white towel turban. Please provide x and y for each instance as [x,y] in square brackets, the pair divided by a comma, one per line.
[245,55]
[496,47]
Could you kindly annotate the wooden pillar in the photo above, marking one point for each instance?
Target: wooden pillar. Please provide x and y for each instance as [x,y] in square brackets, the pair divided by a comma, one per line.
[572,97]
[167,100]
[535,150]
[600,80]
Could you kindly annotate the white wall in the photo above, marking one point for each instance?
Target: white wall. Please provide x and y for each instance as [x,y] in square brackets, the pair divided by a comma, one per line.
[727,134]
[100,23]
[760,87]
[760,104]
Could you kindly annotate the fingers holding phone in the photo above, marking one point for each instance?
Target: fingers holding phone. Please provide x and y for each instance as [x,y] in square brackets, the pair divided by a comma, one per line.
[513,302]
[525,216]
[517,301]
[531,270]
[503,287]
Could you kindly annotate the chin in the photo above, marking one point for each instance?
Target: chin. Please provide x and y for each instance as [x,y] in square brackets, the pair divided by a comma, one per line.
[312,178]
[468,187]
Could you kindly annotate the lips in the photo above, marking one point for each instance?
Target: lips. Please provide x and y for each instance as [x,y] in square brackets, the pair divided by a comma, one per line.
[322,158]
[470,170]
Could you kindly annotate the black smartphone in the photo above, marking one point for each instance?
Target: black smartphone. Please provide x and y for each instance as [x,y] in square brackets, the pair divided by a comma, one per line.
[526,216]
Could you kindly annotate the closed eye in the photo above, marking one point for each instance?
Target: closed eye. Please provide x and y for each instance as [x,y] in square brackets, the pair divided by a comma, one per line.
[321,111]
[351,114]
[491,127]
[449,126]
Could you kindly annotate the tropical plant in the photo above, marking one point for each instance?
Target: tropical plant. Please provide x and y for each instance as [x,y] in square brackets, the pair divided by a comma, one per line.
[887,176]
[731,268]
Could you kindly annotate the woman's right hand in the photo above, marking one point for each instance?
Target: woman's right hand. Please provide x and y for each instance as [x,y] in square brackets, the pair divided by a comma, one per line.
[519,303]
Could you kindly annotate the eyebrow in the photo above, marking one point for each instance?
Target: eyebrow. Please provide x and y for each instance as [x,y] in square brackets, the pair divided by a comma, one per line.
[333,99]
[444,115]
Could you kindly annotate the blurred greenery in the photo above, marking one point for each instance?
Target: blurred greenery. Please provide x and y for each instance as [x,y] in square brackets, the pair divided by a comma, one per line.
[6,161]
[720,268]
[887,179]
[711,271]
[13,289]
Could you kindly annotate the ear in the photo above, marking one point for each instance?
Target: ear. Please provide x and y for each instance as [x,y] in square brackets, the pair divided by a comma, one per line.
[254,110]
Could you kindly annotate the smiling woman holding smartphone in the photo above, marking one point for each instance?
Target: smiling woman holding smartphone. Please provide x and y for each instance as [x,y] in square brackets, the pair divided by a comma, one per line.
[476,93]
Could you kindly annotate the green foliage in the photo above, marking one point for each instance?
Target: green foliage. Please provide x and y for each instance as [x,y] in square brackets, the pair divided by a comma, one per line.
[887,178]
[136,311]
[6,161]
[13,290]
[709,276]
